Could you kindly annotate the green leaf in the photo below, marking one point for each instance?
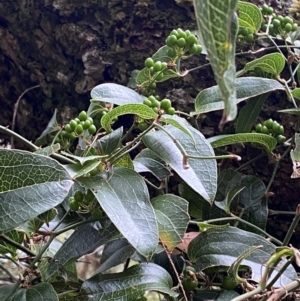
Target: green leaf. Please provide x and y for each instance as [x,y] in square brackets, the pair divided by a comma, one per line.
[116,94]
[89,237]
[6,291]
[211,99]
[270,63]
[249,113]
[82,160]
[39,292]
[296,93]
[148,161]
[140,110]
[293,111]
[172,218]
[214,248]
[115,252]
[179,123]
[125,199]
[128,285]
[249,16]
[125,161]
[218,26]
[30,184]
[202,173]
[51,128]
[266,140]
[5,247]
[48,150]
[110,142]
[196,203]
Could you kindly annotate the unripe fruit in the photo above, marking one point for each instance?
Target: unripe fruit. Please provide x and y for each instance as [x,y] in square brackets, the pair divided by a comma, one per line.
[82,116]
[181,42]
[92,129]
[149,62]
[264,130]
[89,196]
[171,53]
[189,284]
[79,129]
[280,139]
[171,40]
[288,27]
[73,124]
[269,123]
[86,124]
[157,66]
[229,283]
[68,129]
[249,38]
[196,49]
[78,196]
[143,126]
[74,205]
[258,127]
[170,111]
[191,40]
[165,104]
[147,102]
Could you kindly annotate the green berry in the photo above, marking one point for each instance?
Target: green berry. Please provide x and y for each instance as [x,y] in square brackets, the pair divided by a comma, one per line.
[181,33]
[280,18]
[79,129]
[269,123]
[157,66]
[276,23]
[229,283]
[280,131]
[189,284]
[189,270]
[155,109]
[288,27]
[92,129]
[151,70]
[149,62]
[265,130]
[77,120]
[143,126]
[147,102]
[170,111]
[295,27]
[258,128]
[171,53]
[175,33]
[91,119]
[89,196]
[82,116]
[159,77]
[97,213]
[191,40]
[78,196]
[74,205]
[276,127]
[196,49]
[68,129]
[280,139]
[171,40]
[73,124]
[249,37]
[86,124]
[288,20]
[165,104]
[181,42]
[244,31]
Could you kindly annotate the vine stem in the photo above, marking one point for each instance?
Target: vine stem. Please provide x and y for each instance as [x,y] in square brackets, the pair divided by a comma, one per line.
[236,218]
[16,106]
[16,245]
[175,271]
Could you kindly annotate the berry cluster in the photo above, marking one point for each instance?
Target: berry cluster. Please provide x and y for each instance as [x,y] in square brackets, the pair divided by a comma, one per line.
[85,202]
[245,34]
[272,128]
[156,105]
[182,43]
[156,70]
[76,126]
[279,25]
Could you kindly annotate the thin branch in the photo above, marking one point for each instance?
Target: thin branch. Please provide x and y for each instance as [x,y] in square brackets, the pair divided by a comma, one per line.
[16,106]
[16,245]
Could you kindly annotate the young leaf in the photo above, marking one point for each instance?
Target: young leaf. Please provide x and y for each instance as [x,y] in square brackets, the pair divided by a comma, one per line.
[270,63]
[266,140]
[52,128]
[296,93]
[172,218]
[249,113]
[293,111]
[125,199]
[30,185]
[110,142]
[211,99]
[140,110]
[202,173]
[249,16]
[128,285]
[116,94]
[221,247]
[218,26]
